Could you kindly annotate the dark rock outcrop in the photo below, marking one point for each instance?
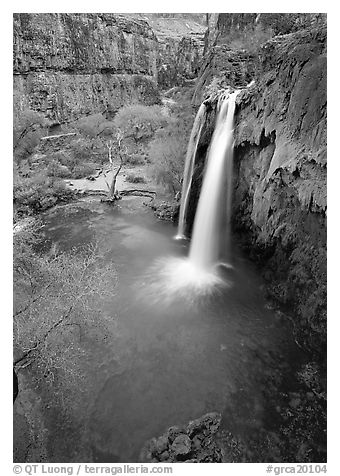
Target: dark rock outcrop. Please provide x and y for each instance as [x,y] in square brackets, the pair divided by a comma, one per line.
[68,65]
[194,443]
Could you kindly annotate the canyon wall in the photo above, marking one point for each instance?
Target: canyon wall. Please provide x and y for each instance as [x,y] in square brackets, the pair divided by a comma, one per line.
[279,209]
[69,65]
[232,42]
[180,46]
[281,168]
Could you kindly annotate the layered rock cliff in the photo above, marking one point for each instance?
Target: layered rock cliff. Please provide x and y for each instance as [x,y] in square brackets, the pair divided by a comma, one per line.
[280,203]
[69,65]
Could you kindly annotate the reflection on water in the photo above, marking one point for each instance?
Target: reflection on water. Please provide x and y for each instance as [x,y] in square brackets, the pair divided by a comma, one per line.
[179,357]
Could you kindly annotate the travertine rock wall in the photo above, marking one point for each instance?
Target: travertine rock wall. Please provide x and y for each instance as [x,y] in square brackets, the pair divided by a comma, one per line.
[280,171]
[280,197]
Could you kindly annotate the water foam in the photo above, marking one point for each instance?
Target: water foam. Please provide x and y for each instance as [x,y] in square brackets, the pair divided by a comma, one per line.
[178,279]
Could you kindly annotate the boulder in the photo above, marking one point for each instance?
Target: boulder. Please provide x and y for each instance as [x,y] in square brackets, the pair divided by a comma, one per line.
[181,445]
[193,443]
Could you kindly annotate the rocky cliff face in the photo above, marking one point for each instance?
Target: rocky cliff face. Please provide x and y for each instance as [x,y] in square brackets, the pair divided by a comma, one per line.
[232,42]
[280,175]
[179,61]
[280,196]
[180,46]
[222,67]
[225,63]
[68,65]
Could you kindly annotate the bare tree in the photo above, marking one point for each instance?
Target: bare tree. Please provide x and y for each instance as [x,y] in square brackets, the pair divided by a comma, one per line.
[57,303]
[116,147]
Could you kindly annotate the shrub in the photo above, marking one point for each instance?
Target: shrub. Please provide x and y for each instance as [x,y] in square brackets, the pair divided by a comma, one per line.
[167,155]
[135,178]
[56,169]
[83,170]
[168,148]
[28,127]
[167,158]
[95,125]
[62,157]
[80,149]
[38,193]
[136,159]
[140,122]
[72,163]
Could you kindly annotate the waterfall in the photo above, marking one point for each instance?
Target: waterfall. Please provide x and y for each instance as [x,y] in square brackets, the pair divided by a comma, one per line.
[196,276]
[211,225]
[189,168]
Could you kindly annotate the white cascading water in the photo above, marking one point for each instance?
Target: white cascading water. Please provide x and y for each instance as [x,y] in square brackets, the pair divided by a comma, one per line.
[198,275]
[213,210]
[189,168]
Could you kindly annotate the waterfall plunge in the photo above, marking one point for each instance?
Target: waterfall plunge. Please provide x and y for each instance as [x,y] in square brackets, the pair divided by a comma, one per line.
[198,275]
[212,218]
[189,168]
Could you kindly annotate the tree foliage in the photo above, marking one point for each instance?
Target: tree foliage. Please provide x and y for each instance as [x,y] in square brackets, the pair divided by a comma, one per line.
[38,193]
[96,125]
[168,148]
[167,154]
[28,127]
[139,122]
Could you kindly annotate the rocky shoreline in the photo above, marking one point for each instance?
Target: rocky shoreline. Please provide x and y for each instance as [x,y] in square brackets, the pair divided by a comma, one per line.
[193,443]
